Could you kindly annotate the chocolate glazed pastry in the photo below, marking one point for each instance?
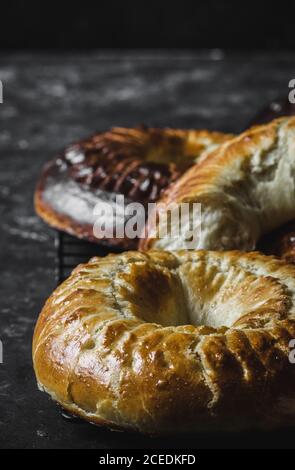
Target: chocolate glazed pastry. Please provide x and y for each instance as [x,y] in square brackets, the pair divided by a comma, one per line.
[136,163]
[280,242]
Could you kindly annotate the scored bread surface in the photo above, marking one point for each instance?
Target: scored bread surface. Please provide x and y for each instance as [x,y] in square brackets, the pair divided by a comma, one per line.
[164,342]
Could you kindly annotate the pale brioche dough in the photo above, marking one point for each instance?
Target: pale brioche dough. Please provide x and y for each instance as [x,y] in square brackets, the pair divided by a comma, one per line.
[246,188]
[172,342]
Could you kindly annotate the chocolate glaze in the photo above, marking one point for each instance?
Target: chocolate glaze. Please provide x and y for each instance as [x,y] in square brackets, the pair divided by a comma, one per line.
[102,162]
[136,163]
[132,178]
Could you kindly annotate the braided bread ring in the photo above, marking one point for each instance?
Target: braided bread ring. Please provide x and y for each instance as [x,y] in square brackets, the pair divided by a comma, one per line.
[172,342]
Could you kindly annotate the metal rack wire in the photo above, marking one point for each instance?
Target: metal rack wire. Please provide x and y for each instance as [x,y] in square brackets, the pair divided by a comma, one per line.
[71,251]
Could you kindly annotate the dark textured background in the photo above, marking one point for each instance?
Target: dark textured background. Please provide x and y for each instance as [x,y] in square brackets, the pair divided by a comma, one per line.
[197,24]
[48,102]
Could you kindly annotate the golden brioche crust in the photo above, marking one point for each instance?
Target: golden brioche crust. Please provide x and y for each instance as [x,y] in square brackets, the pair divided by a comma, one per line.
[246,188]
[164,342]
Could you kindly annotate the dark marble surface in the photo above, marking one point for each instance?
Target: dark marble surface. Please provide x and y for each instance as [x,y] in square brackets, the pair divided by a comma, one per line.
[50,101]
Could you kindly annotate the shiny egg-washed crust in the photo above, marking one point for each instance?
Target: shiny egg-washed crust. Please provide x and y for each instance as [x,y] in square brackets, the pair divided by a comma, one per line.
[172,342]
[246,189]
[137,163]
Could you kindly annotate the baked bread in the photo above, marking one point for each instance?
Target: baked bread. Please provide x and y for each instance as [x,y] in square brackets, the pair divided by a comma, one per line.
[246,189]
[137,163]
[172,342]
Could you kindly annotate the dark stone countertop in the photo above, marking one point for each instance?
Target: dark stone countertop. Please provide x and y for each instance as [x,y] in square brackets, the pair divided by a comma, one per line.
[50,100]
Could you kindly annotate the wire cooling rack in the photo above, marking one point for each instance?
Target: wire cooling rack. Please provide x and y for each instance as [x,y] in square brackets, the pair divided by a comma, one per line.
[71,251]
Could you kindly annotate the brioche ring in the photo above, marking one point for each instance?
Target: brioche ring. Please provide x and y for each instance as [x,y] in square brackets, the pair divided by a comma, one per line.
[246,189]
[137,163]
[172,342]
